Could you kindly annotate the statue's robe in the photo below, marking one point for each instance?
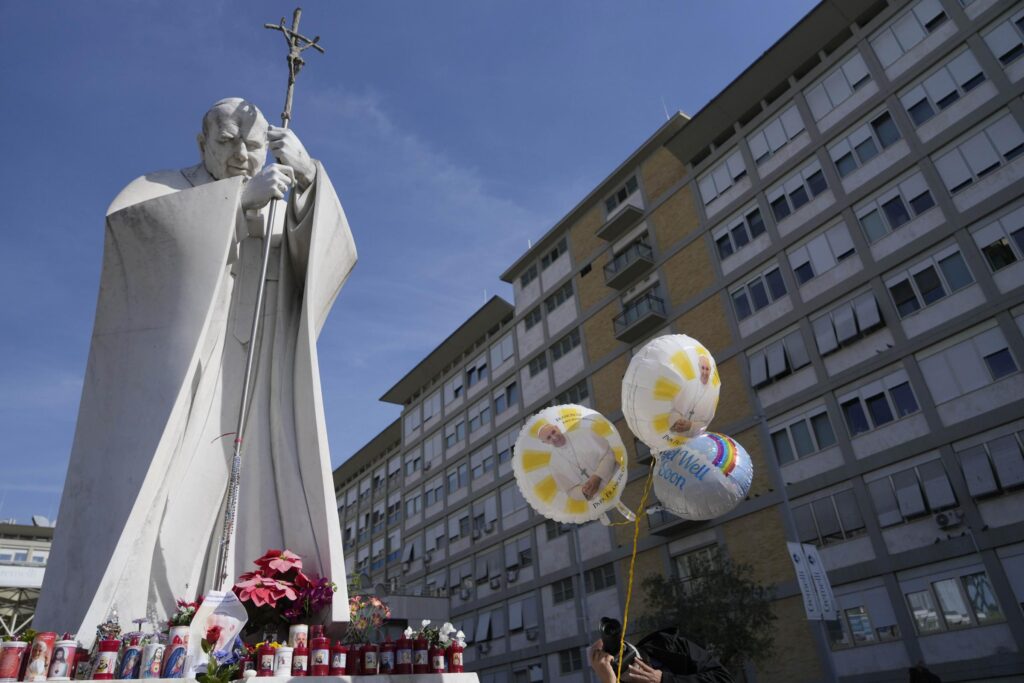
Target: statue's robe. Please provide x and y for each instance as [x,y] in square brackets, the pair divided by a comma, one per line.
[141,514]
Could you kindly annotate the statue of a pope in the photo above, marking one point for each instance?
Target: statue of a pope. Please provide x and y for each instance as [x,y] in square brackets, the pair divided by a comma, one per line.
[141,513]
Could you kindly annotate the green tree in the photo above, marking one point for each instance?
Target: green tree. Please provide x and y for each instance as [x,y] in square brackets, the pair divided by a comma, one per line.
[719,606]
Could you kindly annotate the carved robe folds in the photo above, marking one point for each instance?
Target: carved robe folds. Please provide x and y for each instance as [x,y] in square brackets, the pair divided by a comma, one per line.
[141,512]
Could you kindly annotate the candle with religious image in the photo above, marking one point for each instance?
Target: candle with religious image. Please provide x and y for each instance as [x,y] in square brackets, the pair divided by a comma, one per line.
[63,660]
[300,661]
[319,653]
[283,661]
[107,659]
[152,660]
[131,659]
[387,657]
[83,665]
[11,657]
[39,656]
[176,652]
[265,660]
[298,634]
[371,659]
[339,659]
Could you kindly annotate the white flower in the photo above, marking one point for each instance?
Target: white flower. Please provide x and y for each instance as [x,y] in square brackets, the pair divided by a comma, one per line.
[407,632]
[447,628]
[443,639]
[249,673]
[460,637]
[426,623]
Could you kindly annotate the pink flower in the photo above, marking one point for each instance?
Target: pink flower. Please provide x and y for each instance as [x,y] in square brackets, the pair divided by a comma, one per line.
[279,561]
[263,590]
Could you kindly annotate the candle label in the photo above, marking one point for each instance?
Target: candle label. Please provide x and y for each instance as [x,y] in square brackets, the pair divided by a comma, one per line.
[405,656]
[299,663]
[456,659]
[369,659]
[320,657]
[438,662]
[421,657]
[387,660]
[266,662]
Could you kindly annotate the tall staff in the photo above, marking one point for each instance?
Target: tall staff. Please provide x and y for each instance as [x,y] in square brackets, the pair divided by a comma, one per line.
[297,43]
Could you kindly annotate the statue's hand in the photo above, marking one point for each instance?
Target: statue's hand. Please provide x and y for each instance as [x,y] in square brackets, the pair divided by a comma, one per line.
[271,182]
[288,150]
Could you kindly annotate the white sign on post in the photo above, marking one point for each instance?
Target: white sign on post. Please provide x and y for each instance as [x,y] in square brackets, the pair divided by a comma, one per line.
[803,578]
[819,579]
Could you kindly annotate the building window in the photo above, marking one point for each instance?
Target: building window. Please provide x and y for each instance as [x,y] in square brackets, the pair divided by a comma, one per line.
[907,30]
[477,371]
[929,281]
[620,195]
[599,578]
[570,660]
[412,463]
[562,591]
[831,519]
[853,629]
[947,84]
[412,420]
[774,135]
[838,86]
[395,512]
[502,350]
[980,152]
[895,207]
[797,190]
[565,345]
[454,432]
[453,389]
[528,276]
[434,491]
[559,297]
[555,529]
[511,499]
[1007,39]
[506,398]
[721,177]
[538,364]
[480,415]
[693,565]
[778,359]
[551,256]
[1002,241]
[532,318]
[412,506]
[432,407]
[458,477]
[912,493]
[481,462]
[878,404]
[959,368]
[505,444]
[577,393]
[739,233]
[803,437]
[821,254]
[847,323]
[758,293]
[994,467]
[954,603]
[864,143]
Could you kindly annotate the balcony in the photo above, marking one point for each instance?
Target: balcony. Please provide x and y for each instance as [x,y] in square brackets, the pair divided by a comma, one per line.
[628,265]
[622,219]
[640,317]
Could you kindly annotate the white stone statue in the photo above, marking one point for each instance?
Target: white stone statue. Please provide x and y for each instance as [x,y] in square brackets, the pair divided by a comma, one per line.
[142,508]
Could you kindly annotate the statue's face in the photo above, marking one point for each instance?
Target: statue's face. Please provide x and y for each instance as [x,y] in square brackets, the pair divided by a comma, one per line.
[234,141]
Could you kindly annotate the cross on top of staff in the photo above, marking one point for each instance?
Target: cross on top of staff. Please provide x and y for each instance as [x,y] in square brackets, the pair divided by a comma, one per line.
[296,44]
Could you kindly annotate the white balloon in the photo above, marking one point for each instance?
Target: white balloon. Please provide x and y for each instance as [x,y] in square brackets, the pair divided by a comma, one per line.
[570,464]
[670,391]
[706,477]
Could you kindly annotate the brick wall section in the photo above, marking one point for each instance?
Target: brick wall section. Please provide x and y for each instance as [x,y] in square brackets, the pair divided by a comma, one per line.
[757,539]
[707,323]
[795,657]
[675,218]
[607,387]
[591,286]
[661,171]
[687,273]
[599,333]
[648,563]
[751,441]
[733,399]
[583,239]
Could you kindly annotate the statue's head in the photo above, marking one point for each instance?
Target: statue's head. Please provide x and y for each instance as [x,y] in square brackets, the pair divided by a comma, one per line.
[233,141]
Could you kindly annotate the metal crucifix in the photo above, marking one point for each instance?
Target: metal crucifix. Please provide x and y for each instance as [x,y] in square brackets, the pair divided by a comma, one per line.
[296,44]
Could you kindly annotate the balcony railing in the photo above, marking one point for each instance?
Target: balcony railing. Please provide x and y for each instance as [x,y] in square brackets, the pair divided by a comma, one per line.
[641,315]
[628,265]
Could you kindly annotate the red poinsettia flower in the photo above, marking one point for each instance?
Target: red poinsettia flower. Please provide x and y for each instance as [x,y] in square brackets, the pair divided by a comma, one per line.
[279,561]
[302,581]
[263,590]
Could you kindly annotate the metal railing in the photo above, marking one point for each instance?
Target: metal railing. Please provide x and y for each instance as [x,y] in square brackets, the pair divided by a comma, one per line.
[637,309]
[637,250]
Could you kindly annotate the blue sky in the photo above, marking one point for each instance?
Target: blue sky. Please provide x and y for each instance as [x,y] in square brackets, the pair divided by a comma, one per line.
[453,132]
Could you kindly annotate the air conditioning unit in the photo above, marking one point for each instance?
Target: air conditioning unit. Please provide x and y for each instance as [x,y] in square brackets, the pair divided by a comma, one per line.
[496,583]
[531,633]
[948,519]
[464,593]
[512,575]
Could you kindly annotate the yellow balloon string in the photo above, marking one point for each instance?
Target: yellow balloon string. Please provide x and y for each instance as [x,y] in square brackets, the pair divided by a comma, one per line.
[632,564]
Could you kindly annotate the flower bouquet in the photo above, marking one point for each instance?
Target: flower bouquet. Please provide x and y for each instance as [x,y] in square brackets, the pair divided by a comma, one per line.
[222,665]
[279,592]
[184,612]
[368,613]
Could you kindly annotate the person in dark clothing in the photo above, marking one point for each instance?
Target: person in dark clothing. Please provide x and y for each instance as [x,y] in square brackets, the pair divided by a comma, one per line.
[665,657]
